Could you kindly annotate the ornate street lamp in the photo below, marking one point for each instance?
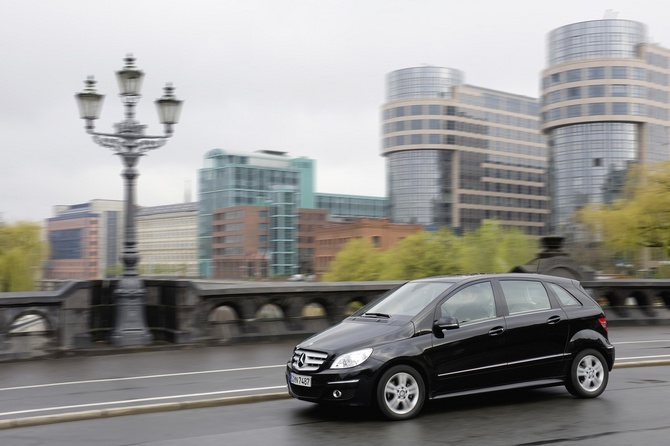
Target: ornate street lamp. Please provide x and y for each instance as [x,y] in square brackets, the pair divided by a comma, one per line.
[130,143]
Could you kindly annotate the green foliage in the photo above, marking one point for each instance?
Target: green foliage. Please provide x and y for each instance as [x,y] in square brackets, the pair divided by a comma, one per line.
[359,260]
[421,255]
[640,219]
[491,248]
[22,252]
[495,249]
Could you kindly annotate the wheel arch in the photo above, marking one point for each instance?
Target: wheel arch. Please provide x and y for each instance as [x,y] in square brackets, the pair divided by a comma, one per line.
[585,339]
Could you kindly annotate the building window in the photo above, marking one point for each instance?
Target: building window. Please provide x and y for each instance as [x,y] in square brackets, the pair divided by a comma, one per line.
[639,73]
[619,72]
[619,108]
[596,73]
[619,90]
[434,110]
[597,108]
[376,241]
[574,111]
[574,75]
[596,91]
[574,93]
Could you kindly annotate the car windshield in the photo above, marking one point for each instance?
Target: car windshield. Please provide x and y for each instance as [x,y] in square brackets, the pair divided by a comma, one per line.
[408,300]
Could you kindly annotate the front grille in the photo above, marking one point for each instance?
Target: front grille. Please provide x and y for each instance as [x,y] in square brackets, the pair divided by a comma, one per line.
[306,392]
[307,360]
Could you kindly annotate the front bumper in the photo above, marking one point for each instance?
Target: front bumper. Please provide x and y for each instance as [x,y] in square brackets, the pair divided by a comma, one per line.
[353,387]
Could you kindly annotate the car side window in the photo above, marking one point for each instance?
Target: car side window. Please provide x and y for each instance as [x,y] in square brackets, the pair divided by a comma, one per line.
[567,299]
[472,303]
[525,295]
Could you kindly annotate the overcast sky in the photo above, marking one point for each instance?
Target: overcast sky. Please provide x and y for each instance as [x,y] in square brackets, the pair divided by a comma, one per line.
[305,77]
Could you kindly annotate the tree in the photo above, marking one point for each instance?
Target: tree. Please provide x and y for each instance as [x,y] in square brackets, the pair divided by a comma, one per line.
[423,254]
[491,248]
[494,249]
[22,252]
[641,218]
[359,260]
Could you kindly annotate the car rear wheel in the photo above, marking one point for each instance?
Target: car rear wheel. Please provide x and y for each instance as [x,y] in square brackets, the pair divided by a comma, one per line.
[400,393]
[588,374]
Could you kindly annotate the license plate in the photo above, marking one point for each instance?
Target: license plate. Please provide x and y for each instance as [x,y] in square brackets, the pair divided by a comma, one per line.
[301,380]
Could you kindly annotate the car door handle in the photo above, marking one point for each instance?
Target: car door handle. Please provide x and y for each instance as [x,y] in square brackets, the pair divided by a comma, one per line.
[495,331]
[554,320]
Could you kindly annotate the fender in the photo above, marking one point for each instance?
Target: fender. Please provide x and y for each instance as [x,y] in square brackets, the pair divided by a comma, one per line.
[591,339]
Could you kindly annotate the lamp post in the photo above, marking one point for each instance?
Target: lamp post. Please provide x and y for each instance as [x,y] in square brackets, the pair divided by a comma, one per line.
[130,143]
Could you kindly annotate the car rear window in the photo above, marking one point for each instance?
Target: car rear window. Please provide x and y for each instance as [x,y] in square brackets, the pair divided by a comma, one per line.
[567,299]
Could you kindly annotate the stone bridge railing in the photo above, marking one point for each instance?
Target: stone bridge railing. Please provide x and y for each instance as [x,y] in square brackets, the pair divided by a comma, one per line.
[79,316]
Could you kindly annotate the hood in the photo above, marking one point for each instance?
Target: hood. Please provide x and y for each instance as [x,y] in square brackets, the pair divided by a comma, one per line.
[352,334]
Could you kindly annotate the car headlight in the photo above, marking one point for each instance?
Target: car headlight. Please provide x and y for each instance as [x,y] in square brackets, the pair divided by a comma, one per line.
[351,359]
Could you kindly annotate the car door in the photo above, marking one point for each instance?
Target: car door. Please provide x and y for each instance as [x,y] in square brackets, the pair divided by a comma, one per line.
[537,330]
[469,356]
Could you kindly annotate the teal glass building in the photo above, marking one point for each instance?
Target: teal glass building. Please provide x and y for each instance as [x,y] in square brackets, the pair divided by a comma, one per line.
[282,184]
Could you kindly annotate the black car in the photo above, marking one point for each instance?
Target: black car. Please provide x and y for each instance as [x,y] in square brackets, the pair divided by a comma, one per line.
[454,335]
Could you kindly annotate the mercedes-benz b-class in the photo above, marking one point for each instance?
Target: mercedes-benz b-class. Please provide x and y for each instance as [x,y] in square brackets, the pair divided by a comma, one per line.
[445,336]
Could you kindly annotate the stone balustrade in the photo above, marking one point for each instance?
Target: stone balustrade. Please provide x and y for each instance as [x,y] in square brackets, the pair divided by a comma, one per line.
[79,316]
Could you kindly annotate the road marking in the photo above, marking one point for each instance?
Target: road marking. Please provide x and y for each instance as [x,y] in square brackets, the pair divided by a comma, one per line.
[641,357]
[640,342]
[129,378]
[141,400]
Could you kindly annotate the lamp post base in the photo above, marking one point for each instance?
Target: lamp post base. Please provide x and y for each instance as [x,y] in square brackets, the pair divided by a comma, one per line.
[130,328]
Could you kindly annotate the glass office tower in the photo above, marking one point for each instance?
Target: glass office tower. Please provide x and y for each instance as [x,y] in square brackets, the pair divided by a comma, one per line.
[605,107]
[267,179]
[458,155]
[236,179]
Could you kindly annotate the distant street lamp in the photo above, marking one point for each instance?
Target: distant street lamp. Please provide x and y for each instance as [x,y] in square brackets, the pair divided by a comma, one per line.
[130,143]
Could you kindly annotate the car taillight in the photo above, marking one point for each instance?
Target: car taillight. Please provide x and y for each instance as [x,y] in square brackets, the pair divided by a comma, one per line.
[603,322]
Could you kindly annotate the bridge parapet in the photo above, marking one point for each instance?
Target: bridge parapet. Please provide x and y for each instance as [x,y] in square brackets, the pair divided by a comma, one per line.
[79,316]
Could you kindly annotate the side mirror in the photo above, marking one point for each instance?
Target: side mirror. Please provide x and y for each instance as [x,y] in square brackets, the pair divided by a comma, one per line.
[446,323]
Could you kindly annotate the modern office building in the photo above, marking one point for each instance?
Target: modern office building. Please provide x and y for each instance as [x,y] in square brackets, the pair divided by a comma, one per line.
[85,240]
[458,154]
[273,180]
[605,107]
[243,237]
[167,239]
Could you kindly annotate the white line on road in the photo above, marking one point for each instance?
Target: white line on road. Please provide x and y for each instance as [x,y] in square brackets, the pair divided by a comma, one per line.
[642,342]
[128,378]
[636,358]
[140,400]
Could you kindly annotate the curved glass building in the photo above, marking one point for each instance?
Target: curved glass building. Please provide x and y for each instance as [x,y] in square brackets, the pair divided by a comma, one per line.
[604,106]
[458,155]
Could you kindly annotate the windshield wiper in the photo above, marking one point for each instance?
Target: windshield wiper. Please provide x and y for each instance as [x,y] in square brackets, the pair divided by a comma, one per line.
[378,315]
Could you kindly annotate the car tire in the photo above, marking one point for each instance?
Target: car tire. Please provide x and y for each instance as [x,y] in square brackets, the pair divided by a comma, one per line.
[400,393]
[588,374]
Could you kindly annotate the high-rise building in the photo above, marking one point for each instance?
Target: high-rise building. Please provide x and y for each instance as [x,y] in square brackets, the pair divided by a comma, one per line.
[167,239]
[458,154]
[247,243]
[272,180]
[605,107]
[85,240]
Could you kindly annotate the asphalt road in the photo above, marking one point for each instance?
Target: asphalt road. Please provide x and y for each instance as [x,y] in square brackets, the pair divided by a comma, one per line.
[97,388]
[633,410]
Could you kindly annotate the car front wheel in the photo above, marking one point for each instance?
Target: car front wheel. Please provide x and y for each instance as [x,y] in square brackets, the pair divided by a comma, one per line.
[588,374]
[400,393]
